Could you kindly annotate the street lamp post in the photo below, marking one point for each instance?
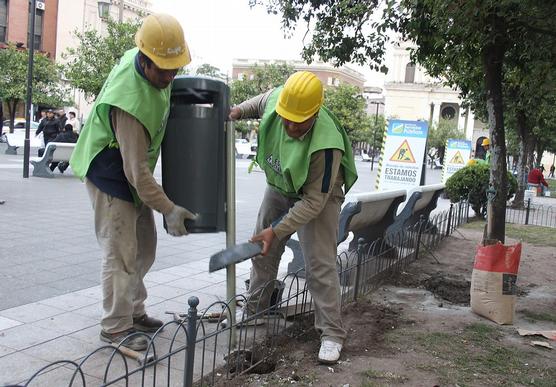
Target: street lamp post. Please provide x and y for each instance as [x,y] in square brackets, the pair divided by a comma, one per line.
[374,135]
[374,139]
[424,167]
[121,11]
[28,106]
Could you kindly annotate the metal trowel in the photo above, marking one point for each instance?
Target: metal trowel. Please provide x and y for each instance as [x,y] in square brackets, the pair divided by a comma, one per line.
[235,254]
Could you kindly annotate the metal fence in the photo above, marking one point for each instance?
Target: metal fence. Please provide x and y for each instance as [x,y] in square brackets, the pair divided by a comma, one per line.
[199,349]
[532,214]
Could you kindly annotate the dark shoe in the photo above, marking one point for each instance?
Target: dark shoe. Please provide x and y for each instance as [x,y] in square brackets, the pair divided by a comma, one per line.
[137,343]
[146,323]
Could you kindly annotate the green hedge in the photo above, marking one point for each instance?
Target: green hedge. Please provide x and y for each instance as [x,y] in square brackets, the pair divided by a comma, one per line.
[472,182]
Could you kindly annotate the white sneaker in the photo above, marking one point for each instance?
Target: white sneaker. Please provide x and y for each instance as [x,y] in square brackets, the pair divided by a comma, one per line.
[329,352]
[245,318]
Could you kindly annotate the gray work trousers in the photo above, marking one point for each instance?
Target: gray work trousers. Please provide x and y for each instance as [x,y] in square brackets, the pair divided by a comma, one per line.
[318,240]
[127,237]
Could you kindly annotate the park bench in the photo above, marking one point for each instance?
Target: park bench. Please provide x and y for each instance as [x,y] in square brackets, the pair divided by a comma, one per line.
[17,139]
[422,201]
[365,157]
[54,152]
[366,215]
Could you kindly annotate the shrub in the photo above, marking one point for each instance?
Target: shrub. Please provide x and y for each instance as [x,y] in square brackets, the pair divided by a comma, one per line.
[472,182]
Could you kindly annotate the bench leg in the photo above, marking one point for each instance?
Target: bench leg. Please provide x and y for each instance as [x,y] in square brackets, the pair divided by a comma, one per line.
[11,150]
[41,168]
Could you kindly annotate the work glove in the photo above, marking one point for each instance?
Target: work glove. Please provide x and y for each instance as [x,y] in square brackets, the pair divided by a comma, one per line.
[175,220]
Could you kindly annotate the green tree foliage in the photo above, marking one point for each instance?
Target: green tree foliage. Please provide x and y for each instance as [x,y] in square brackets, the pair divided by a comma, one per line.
[439,135]
[472,183]
[92,60]
[263,78]
[47,87]
[210,71]
[376,134]
[468,43]
[348,104]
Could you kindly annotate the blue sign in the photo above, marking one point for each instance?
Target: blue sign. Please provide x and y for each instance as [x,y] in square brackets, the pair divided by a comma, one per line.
[459,144]
[404,128]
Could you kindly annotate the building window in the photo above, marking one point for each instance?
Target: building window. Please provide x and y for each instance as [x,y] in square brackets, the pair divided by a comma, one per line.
[332,81]
[448,113]
[37,41]
[3,20]
[239,76]
[410,73]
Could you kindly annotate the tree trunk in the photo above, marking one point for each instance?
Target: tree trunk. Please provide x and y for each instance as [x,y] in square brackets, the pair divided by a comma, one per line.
[441,153]
[540,150]
[493,56]
[526,147]
[12,105]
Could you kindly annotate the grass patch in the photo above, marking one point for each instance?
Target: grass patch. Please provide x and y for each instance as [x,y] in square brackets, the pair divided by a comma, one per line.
[552,187]
[475,355]
[534,316]
[372,377]
[537,235]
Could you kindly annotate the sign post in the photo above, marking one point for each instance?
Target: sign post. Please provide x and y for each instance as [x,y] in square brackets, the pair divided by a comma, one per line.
[401,163]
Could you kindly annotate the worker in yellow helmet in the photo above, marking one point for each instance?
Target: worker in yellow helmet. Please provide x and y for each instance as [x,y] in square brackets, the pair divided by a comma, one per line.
[116,154]
[486,146]
[308,162]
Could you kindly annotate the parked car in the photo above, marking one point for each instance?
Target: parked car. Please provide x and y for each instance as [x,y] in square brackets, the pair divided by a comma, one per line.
[245,149]
[19,125]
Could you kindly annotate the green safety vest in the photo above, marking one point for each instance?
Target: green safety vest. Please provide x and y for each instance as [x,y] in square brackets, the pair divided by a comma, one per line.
[126,89]
[286,160]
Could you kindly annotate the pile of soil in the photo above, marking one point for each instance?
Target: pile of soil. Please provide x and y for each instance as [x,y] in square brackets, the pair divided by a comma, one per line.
[411,330]
[293,358]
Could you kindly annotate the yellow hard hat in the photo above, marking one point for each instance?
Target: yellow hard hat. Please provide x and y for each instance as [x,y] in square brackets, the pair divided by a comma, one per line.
[161,39]
[301,97]
[485,142]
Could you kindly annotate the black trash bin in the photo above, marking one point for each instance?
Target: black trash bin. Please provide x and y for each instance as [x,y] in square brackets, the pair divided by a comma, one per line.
[194,151]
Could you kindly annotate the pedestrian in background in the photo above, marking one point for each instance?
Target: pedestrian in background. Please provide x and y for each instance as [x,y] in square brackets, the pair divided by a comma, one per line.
[74,122]
[307,159]
[116,154]
[486,146]
[536,181]
[68,136]
[50,127]
[62,118]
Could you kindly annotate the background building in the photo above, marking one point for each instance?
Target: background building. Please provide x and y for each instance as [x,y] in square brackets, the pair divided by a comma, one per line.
[409,93]
[14,24]
[79,15]
[329,75]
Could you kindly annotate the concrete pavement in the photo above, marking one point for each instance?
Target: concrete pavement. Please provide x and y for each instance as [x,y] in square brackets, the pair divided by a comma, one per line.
[50,264]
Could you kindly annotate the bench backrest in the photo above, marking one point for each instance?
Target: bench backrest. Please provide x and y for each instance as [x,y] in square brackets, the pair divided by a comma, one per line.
[368,215]
[421,202]
[428,194]
[62,152]
[17,139]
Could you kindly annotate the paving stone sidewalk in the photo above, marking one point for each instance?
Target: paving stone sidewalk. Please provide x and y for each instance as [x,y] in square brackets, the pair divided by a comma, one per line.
[49,265]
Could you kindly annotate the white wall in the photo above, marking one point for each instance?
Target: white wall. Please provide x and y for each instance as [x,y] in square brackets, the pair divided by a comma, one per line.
[412,101]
